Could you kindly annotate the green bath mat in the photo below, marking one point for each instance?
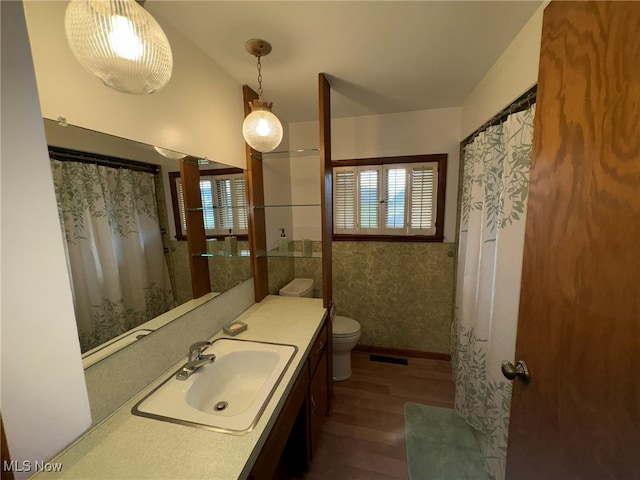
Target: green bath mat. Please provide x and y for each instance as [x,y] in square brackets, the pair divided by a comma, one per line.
[440,445]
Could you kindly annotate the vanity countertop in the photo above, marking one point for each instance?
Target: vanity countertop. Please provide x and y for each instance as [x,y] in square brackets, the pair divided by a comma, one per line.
[126,446]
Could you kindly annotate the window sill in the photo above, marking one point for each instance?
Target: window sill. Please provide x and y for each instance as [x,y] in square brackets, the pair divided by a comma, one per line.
[388,238]
[239,237]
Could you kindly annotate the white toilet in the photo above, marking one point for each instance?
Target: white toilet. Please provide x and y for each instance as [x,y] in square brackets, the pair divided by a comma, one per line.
[298,287]
[346,333]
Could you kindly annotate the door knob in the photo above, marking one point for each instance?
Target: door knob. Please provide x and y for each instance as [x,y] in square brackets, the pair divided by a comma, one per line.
[520,370]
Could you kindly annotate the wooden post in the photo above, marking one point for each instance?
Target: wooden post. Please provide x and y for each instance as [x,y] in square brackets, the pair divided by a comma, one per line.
[196,239]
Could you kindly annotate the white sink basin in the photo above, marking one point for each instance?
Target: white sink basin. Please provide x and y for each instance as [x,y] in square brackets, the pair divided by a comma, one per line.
[228,395]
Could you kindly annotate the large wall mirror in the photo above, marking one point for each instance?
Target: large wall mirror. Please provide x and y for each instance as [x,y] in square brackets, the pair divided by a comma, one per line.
[122,217]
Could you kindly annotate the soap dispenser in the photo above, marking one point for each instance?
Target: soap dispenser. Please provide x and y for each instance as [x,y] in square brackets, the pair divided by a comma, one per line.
[283,242]
[231,244]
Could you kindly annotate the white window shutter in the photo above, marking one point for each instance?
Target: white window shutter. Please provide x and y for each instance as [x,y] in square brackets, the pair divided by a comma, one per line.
[182,211]
[369,196]
[423,196]
[394,213]
[240,205]
[224,205]
[206,194]
[344,200]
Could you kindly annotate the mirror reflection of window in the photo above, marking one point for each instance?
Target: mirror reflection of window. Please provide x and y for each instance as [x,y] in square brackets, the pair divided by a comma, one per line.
[224,204]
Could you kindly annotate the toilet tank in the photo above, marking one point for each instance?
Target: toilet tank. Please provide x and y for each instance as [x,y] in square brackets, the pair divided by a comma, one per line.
[298,287]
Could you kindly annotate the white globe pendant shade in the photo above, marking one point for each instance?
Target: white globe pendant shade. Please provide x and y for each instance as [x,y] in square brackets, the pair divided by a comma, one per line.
[119,42]
[261,129]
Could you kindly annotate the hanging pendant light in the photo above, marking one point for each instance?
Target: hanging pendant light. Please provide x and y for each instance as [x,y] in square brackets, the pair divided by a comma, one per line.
[119,42]
[170,154]
[261,128]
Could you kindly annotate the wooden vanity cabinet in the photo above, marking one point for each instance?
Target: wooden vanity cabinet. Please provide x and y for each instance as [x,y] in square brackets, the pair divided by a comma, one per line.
[294,436]
[318,388]
[269,465]
[318,403]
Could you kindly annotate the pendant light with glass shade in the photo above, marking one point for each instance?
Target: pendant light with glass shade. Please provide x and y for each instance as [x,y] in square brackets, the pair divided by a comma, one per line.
[119,42]
[261,128]
[170,154]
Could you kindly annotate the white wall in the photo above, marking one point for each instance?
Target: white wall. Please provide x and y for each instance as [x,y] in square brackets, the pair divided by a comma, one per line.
[199,112]
[276,180]
[396,134]
[305,180]
[44,399]
[513,74]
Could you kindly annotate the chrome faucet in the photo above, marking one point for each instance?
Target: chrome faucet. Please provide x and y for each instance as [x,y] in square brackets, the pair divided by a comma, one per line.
[196,360]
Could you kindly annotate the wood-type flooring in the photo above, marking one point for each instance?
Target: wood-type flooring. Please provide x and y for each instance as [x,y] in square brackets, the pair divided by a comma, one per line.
[364,436]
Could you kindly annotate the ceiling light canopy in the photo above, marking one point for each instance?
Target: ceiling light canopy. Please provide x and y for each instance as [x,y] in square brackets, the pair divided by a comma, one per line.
[119,42]
[261,128]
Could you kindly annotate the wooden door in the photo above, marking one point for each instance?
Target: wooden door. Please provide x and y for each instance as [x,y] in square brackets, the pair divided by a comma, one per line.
[579,325]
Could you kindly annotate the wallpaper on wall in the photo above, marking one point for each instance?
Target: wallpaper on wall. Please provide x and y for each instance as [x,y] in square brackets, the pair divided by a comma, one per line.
[281,272]
[227,272]
[224,272]
[179,271]
[400,293]
[306,267]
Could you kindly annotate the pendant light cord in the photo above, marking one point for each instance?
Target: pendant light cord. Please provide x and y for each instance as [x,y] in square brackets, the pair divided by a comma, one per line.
[259,78]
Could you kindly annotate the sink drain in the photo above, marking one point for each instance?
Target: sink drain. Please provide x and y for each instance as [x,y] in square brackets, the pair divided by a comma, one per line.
[218,407]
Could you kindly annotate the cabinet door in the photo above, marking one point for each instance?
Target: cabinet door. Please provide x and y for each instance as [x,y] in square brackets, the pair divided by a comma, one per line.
[268,461]
[319,396]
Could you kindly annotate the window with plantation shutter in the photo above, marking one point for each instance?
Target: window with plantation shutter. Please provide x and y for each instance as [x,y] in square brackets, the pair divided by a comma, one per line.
[181,207]
[224,204]
[369,200]
[422,200]
[206,193]
[395,199]
[241,224]
[344,200]
[391,199]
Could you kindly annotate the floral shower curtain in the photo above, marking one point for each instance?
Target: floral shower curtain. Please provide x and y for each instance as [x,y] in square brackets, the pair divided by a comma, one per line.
[115,255]
[494,197]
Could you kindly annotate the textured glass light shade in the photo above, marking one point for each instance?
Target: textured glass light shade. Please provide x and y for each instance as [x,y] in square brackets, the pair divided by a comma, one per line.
[261,129]
[170,154]
[119,42]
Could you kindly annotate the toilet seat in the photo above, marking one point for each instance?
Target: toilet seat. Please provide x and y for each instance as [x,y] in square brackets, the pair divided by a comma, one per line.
[346,340]
[344,327]
[298,287]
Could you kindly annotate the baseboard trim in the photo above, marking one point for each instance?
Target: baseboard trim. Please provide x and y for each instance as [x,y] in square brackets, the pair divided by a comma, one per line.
[402,353]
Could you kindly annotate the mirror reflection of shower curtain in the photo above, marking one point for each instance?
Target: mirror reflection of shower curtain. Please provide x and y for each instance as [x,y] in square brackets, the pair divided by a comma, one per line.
[109,218]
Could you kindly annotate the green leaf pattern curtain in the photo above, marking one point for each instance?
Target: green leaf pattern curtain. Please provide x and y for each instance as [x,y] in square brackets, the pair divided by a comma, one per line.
[494,197]
[109,218]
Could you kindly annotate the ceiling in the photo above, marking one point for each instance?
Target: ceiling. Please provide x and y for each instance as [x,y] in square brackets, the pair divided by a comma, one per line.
[381,56]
